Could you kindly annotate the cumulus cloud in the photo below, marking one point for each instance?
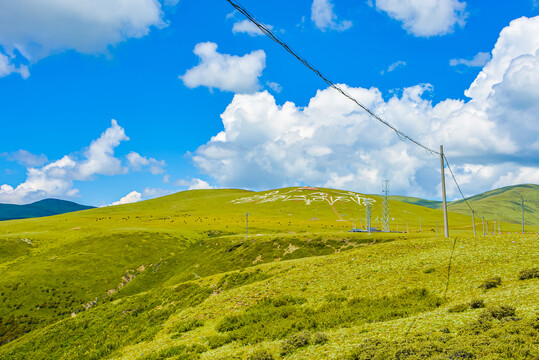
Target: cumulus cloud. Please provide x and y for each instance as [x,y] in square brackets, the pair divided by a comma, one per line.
[491,140]
[394,66]
[25,158]
[36,28]
[325,19]
[132,197]
[193,184]
[425,18]
[56,178]
[247,27]
[478,60]
[225,72]
[151,193]
[139,162]
[7,67]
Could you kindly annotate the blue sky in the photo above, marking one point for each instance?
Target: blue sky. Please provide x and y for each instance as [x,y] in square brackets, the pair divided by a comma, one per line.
[103,101]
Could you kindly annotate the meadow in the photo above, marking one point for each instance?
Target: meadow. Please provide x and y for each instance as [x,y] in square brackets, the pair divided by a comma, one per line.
[176,277]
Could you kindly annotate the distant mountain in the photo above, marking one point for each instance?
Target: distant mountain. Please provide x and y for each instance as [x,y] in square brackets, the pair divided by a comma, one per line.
[500,204]
[46,207]
[503,204]
[433,204]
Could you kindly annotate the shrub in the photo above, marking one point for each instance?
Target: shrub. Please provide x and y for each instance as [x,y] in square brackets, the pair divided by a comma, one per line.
[491,283]
[260,354]
[296,341]
[500,312]
[477,304]
[429,270]
[186,325]
[458,308]
[216,341]
[529,274]
[320,338]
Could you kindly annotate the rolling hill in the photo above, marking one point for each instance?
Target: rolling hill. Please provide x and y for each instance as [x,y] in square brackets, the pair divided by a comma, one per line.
[178,277]
[500,204]
[46,207]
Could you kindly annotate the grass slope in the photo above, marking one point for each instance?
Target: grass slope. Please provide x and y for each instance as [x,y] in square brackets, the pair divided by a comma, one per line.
[504,204]
[46,207]
[175,277]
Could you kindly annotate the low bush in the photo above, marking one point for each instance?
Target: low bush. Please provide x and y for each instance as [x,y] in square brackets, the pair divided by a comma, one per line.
[529,274]
[295,341]
[477,304]
[491,283]
[458,308]
[320,338]
[216,341]
[500,312]
[260,354]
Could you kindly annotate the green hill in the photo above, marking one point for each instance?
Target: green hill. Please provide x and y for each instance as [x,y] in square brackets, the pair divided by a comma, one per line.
[504,204]
[176,277]
[46,207]
[433,204]
[496,205]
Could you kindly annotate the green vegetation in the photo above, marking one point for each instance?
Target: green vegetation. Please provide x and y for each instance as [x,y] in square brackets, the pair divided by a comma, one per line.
[176,278]
[47,207]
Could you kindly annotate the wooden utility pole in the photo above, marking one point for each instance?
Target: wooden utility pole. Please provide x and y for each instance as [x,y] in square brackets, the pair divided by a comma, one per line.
[473,219]
[522,201]
[446,226]
[246,224]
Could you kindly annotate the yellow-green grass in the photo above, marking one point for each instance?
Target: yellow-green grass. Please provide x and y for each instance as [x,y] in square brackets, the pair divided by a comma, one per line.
[51,266]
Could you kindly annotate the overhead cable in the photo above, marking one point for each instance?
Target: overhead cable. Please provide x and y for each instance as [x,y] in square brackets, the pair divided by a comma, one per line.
[267,31]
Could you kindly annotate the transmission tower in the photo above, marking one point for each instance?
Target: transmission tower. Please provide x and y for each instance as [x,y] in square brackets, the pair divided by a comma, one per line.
[368,217]
[385,206]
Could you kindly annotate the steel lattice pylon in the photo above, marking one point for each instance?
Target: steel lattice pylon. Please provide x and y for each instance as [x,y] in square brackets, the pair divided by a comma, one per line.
[385,206]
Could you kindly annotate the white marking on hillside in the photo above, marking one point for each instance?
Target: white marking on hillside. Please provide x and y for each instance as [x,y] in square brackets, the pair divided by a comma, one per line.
[313,195]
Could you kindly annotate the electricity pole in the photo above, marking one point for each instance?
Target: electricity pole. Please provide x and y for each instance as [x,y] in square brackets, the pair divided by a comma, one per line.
[522,202]
[446,226]
[246,224]
[473,219]
[385,206]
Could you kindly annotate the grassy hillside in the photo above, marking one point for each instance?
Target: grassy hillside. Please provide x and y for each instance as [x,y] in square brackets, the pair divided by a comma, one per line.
[46,207]
[433,204]
[176,277]
[496,205]
[504,204]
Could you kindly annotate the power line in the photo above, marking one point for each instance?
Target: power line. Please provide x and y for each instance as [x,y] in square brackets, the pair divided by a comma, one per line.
[402,136]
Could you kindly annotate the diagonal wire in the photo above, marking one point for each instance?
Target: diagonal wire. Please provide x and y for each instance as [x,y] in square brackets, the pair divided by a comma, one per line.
[402,136]
[305,62]
[458,187]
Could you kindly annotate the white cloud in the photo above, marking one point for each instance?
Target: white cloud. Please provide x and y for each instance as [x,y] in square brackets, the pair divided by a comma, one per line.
[247,27]
[151,193]
[478,60]
[139,162]
[25,157]
[274,86]
[100,154]
[225,72]
[132,197]
[7,67]
[56,178]
[491,140]
[193,184]
[425,18]
[37,28]
[325,19]
[394,66]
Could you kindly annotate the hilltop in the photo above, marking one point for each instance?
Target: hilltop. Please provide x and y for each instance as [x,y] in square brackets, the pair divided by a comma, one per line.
[501,204]
[176,277]
[46,207]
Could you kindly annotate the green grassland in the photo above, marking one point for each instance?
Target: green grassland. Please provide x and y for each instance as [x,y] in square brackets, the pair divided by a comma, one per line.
[176,277]
[496,205]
